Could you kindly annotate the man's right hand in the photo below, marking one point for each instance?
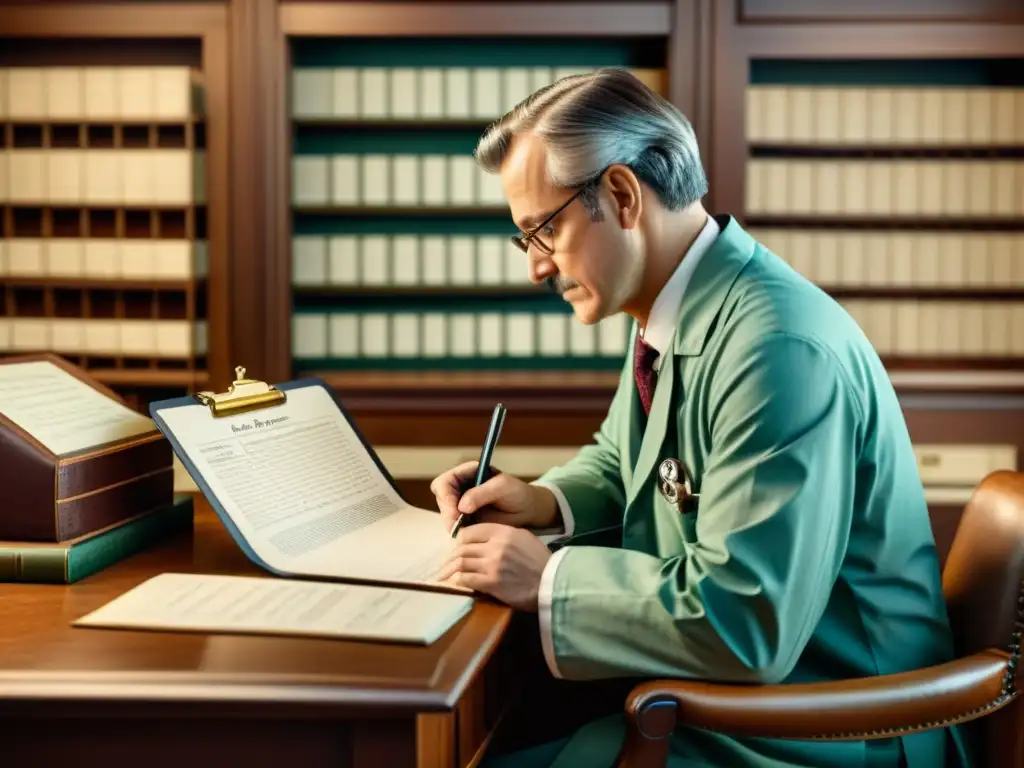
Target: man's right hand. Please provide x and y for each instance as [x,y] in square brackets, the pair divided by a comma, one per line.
[501,499]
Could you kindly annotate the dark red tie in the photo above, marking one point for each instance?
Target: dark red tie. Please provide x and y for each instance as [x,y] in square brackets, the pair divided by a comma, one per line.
[644,356]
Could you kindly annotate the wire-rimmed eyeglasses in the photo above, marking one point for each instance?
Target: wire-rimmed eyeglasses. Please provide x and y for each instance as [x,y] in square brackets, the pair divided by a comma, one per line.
[523,241]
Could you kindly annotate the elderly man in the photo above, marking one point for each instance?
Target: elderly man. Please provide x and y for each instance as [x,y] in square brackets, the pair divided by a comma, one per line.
[754,464]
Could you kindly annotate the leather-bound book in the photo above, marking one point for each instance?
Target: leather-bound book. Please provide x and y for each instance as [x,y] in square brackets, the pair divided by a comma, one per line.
[66,562]
[74,458]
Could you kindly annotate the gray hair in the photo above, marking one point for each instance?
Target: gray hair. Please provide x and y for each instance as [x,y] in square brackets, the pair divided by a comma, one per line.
[591,121]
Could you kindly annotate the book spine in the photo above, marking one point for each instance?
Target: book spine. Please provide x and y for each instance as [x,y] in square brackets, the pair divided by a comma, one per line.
[88,474]
[37,565]
[140,184]
[91,512]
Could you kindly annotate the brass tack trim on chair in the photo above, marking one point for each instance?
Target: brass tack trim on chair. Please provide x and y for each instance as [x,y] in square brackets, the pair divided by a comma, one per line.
[1002,700]
[1007,693]
[1010,680]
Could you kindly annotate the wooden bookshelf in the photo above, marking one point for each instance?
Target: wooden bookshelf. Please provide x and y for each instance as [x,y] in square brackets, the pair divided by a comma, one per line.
[916,213]
[113,213]
[400,257]
[264,40]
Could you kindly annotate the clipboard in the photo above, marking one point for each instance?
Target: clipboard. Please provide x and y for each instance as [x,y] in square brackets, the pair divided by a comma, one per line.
[247,395]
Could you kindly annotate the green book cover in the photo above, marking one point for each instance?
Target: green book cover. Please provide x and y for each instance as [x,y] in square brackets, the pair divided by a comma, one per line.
[69,561]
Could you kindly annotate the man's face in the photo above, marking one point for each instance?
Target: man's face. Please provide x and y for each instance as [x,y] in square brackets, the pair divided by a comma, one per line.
[594,265]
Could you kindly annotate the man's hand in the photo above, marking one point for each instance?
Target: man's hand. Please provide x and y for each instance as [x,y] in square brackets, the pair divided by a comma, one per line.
[501,499]
[500,561]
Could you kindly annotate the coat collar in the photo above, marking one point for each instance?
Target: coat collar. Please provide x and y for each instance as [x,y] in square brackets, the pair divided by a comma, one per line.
[710,284]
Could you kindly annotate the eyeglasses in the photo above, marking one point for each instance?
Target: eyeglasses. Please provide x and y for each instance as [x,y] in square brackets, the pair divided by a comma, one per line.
[523,241]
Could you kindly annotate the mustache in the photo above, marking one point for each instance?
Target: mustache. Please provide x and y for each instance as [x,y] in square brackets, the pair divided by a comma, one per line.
[560,284]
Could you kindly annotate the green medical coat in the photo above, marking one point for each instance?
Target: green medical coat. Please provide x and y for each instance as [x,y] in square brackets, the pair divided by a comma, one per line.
[811,556]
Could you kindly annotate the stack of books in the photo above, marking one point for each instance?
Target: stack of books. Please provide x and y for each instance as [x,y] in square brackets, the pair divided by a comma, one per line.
[71,560]
[87,481]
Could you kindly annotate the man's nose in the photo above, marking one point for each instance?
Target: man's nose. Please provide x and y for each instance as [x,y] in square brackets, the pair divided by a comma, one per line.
[540,266]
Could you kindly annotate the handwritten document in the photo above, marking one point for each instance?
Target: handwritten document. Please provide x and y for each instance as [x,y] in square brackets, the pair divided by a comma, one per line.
[306,495]
[254,605]
[62,412]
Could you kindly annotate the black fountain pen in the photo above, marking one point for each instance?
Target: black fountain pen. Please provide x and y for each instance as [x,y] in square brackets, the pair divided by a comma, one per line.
[483,470]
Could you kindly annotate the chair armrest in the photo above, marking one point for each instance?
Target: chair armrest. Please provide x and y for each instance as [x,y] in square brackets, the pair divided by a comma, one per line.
[847,710]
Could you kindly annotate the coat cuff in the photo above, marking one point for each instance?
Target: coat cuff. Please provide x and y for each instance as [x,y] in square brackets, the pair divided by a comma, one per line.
[568,523]
[544,599]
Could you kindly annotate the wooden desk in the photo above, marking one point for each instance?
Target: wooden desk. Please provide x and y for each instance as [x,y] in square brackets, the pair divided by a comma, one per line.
[106,697]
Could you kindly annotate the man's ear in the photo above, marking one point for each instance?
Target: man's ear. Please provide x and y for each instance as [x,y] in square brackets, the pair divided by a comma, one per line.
[624,189]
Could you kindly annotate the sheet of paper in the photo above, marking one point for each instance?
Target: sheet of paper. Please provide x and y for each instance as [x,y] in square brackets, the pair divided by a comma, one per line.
[306,495]
[62,412]
[245,604]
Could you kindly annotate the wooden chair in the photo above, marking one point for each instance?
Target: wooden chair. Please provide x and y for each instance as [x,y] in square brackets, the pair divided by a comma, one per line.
[983,582]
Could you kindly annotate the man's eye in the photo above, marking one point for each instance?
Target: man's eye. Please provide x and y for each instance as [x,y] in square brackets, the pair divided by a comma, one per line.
[549,230]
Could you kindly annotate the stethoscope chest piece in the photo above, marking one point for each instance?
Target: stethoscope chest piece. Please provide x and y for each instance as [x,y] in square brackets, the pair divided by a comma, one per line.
[676,485]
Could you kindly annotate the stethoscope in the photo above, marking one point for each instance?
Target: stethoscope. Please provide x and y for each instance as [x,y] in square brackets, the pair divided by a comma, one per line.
[675,483]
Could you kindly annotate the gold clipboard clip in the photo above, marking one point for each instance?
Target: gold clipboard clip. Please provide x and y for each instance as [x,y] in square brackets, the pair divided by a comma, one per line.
[244,395]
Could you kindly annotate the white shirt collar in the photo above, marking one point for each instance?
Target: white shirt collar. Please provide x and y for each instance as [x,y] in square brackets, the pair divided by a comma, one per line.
[661,323]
